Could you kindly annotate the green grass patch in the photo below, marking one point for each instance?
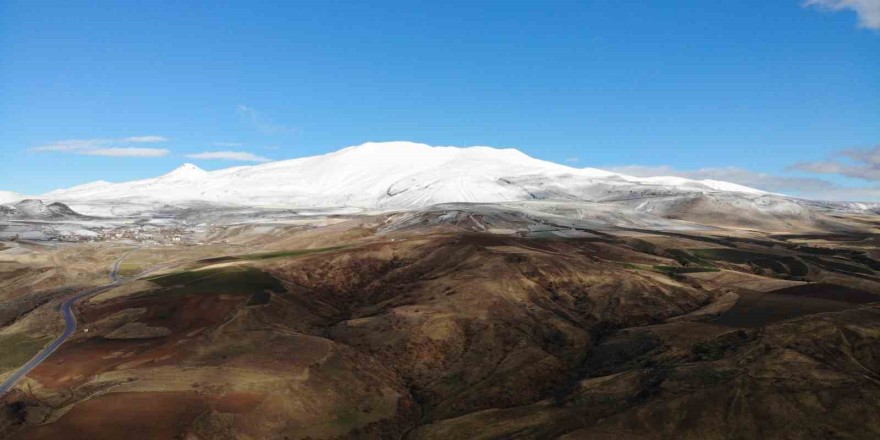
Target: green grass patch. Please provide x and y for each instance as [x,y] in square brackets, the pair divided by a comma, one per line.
[220,280]
[730,255]
[268,255]
[229,350]
[127,269]
[347,419]
[773,265]
[642,245]
[679,270]
[783,265]
[293,253]
[18,348]
[686,258]
[635,266]
[837,266]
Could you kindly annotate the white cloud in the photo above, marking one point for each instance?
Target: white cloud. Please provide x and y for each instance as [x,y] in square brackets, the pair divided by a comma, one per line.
[764,181]
[71,145]
[145,139]
[847,193]
[807,187]
[242,156]
[108,147]
[127,152]
[859,163]
[868,11]
[261,123]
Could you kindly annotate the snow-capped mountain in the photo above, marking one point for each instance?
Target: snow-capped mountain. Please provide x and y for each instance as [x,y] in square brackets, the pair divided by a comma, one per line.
[394,175]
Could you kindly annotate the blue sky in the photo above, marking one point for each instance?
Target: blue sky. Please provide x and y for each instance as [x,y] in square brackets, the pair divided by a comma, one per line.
[781,95]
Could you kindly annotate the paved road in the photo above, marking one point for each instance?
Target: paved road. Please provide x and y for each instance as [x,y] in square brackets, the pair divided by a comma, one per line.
[69,328]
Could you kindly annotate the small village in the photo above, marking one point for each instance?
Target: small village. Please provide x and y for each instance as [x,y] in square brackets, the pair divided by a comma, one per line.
[147,235]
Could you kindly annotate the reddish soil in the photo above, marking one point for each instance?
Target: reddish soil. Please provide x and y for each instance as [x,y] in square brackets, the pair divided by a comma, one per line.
[239,402]
[179,312]
[116,416]
[75,362]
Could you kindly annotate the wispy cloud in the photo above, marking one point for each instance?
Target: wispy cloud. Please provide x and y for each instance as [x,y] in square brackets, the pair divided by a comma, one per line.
[108,147]
[764,181]
[848,193]
[71,145]
[145,139]
[868,11]
[809,187]
[127,152]
[261,123]
[858,163]
[241,156]
[572,159]
[227,144]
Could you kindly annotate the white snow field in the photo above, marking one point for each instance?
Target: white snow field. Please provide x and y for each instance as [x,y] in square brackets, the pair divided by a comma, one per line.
[383,176]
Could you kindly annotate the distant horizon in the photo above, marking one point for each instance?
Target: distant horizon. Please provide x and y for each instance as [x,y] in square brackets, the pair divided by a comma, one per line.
[776,96]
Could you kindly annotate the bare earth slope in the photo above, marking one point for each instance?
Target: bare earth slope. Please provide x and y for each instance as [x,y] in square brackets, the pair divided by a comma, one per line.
[462,323]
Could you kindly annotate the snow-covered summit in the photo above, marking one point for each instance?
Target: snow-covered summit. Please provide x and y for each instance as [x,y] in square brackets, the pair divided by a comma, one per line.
[392,175]
[185,172]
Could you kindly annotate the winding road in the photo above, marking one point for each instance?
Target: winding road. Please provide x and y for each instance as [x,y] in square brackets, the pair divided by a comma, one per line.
[69,328]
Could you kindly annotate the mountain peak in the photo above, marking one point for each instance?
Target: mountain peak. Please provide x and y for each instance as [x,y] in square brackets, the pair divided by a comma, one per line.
[186,171]
[189,167]
[410,152]
[387,148]
[389,145]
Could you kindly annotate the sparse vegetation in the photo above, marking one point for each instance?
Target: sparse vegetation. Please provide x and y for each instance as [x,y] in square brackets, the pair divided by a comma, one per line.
[686,258]
[237,279]
[286,254]
[18,348]
[679,270]
[730,255]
